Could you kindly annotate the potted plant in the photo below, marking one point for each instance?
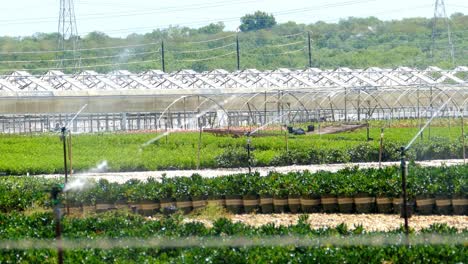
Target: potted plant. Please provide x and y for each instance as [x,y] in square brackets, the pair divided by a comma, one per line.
[250,191]
[345,199]
[265,195]
[144,197]
[182,195]
[364,198]
[460,198]
[198,192]
[424,195]
[280,193]
[385,190]
[214,190]
[292,184]
[106,195]
[310,200]
[167,201]
[328,184]
[232,191]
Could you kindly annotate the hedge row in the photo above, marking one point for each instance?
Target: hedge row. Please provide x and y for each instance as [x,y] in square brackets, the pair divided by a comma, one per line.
[43,154]
[118,226]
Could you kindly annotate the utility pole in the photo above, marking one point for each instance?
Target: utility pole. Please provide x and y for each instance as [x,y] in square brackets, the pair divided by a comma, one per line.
[68,39]
[440,14]
[238,52]
[162,57]
[310,50]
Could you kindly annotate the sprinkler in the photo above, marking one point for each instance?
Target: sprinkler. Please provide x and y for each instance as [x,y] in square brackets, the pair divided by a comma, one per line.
[249,141]
[404,169]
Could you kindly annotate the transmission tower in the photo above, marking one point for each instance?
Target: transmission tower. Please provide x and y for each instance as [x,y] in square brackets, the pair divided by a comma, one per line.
[440,14]
[68,39]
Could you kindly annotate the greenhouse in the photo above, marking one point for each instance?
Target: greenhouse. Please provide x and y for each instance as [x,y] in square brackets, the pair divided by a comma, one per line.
[154,100]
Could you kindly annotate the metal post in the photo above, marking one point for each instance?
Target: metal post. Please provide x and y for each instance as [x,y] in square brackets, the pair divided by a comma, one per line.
[64,139]
[199,143]
[367,130]
[463,138]
[248,153]
[359,105]
[162,57]
[381,146]
[403,187]
[310,50]
[238,52]
[58,229]
[70,151]
[265,109]
[345,105]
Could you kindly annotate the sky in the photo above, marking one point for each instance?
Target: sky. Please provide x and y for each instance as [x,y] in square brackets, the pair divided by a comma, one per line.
[120,18]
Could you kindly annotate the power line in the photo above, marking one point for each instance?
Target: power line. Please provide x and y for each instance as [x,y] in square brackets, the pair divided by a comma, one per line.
[86,66]
[83,58]
[205,59]
[200,51]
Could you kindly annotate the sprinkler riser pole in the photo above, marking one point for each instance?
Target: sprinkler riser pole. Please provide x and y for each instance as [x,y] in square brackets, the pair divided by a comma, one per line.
[64,140]
[403,187]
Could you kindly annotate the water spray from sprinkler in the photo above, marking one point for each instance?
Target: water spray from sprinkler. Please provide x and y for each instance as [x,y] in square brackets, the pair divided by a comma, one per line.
[404,168]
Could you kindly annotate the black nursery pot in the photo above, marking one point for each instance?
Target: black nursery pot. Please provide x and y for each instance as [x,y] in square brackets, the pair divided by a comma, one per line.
[168,206]
[148,207]
[250,203]
[364,204]
[266,203]
[425,205]
[384,205]
[329,203]
[280,204]
[443,205]
[460,205]
[410,209]
[184,204]
[217,200]
[234,204]
[345,205]
[310,204]
[198,202]
[103,206]
[294,203]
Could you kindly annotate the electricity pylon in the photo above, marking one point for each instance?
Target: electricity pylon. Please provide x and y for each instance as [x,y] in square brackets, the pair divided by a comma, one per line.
[68,39]
[440,14]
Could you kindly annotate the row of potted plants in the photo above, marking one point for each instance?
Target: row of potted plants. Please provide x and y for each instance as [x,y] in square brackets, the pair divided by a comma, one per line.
[429,188]
[266,204]
[432,190]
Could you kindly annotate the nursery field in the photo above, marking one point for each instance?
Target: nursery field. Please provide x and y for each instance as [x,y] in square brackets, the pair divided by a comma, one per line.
[352,215]
[199,220]
[42,153]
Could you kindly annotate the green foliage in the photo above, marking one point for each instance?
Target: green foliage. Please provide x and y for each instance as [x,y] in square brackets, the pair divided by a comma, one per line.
[38,154]
[21,193]
[352,42]
[256,21]
[118,226]
[233,158]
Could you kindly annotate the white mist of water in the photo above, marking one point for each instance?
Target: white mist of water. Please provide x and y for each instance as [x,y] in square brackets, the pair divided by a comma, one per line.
[81,182]
[202,113]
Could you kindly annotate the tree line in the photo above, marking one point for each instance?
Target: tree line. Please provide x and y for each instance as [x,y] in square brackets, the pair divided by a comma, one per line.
[261,43]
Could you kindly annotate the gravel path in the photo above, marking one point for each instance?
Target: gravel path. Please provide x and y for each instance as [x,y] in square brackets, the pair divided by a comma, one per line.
[121,177]
[370,222]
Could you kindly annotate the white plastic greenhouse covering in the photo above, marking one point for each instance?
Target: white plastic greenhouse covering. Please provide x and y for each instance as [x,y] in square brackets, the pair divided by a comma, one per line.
[252,95]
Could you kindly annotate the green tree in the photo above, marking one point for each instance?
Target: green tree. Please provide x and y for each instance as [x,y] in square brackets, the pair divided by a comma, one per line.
[212,28]
[256,21]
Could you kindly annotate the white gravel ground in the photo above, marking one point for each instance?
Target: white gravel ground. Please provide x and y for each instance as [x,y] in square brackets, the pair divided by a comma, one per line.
[122,177]
[370,222]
